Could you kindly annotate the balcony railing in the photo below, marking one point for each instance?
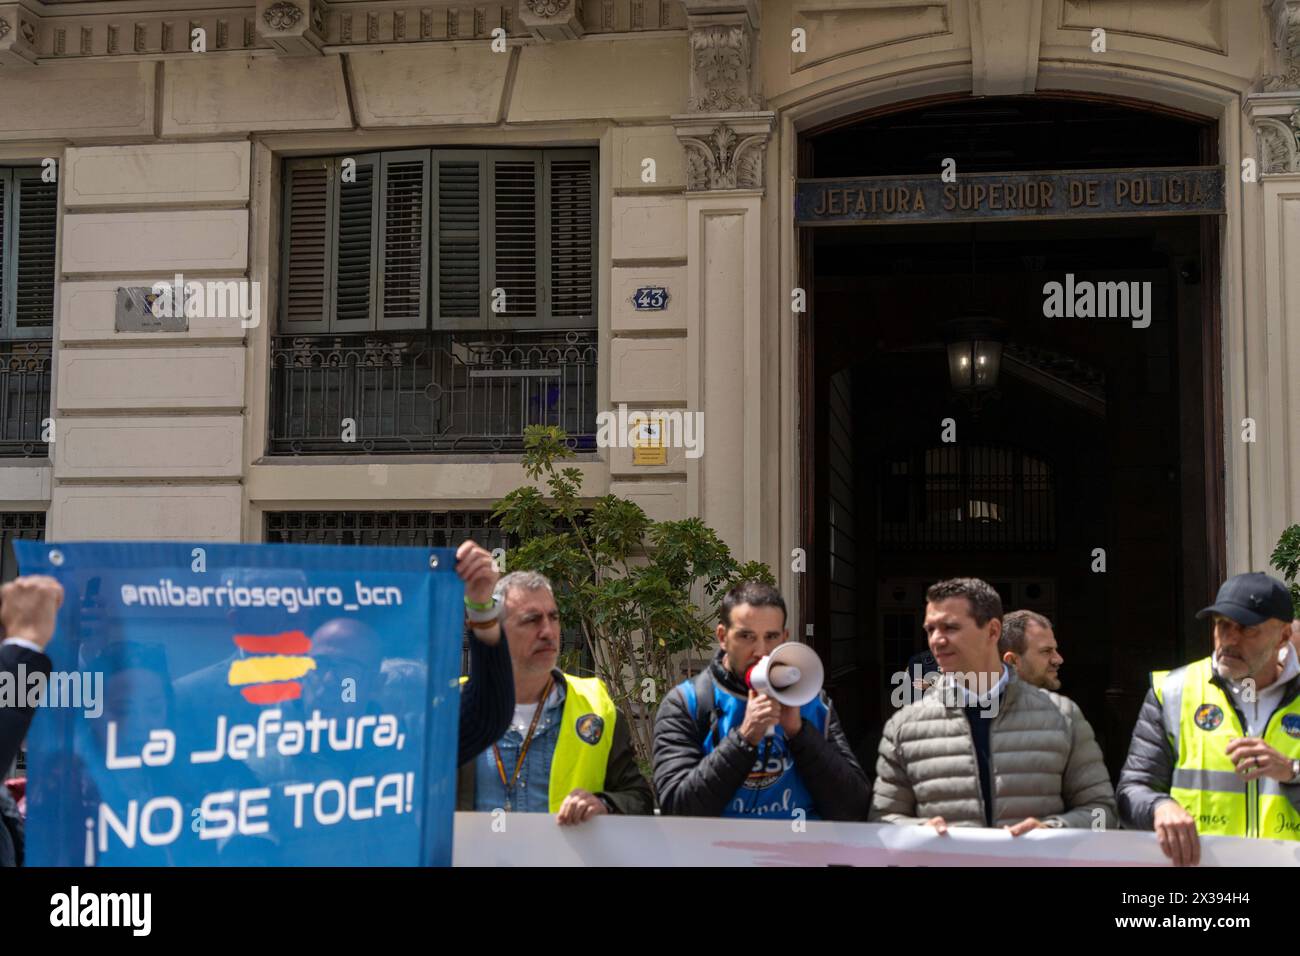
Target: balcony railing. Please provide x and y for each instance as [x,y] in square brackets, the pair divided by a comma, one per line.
[411,392]
[24,398]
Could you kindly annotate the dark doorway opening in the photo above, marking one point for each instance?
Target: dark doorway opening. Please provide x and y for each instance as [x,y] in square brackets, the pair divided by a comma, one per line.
[1101,435]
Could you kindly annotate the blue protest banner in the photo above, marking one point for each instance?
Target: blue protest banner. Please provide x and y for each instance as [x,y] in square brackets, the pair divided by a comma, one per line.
[246,705]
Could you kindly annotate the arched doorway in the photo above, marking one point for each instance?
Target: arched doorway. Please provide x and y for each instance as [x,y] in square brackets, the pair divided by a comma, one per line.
[1100,435]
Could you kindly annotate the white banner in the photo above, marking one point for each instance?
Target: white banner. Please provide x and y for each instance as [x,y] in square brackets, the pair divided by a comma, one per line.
[535,839]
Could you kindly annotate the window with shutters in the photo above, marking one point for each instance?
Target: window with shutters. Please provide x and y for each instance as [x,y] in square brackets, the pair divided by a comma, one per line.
[435,300]
[28,218]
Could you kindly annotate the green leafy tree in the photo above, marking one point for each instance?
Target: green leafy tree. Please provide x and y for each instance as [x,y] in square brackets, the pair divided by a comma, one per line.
[640,592]
[1286,558]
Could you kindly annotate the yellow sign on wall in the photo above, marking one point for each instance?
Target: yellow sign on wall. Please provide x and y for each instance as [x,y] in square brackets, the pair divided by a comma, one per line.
[648,447]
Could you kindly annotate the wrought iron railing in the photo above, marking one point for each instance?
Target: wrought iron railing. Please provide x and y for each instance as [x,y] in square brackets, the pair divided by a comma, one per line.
[15,525]
[412,529]
[416,392]
[24,398]
[977,497]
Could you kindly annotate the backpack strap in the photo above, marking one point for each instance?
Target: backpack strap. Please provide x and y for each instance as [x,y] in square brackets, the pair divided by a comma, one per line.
[706,712]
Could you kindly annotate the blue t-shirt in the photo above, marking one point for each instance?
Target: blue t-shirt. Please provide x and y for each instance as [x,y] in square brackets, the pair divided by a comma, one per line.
[773,787]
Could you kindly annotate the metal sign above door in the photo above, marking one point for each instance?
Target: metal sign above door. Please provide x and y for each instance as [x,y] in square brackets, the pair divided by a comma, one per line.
[975,197]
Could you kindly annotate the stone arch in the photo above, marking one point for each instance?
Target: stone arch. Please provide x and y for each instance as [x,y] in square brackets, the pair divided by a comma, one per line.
[866,91]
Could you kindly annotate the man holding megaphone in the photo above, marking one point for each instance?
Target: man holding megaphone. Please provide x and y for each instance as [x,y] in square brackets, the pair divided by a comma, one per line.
[753,735]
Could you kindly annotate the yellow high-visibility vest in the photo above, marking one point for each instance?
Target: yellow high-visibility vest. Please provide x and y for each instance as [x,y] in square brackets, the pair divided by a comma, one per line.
[1200,719]
[586,738]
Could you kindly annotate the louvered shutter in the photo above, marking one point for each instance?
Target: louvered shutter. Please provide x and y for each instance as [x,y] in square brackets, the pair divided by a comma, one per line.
[570,253]
[460,233]
[305,300]
[404,239]
[356,248]
[35,216]
[517,209]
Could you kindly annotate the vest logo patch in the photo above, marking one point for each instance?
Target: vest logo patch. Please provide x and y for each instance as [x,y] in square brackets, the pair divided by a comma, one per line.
[1291,724]
[1208,717]
[590,727]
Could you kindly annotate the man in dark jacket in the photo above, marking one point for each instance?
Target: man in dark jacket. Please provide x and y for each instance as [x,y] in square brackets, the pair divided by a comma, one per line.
[28,607]
[567,750]
[12,830]
[722,749]
[488,698]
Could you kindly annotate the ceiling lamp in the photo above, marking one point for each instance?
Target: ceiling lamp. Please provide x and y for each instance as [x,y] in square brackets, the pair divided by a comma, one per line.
[974,345]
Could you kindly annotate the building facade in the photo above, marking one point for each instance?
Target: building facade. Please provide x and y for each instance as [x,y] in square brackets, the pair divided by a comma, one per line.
[457,220]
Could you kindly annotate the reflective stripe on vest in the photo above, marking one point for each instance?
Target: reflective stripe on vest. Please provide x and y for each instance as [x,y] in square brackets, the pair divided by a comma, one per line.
[1200,720]
[1170,695]
[586,737]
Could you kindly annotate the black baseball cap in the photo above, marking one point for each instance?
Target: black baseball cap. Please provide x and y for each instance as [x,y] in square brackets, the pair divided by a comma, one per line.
[1251,599]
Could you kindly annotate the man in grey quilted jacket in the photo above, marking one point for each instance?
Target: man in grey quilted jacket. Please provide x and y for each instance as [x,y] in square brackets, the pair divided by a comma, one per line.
[983,748]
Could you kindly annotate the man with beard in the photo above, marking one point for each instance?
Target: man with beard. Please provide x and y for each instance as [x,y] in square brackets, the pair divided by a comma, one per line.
[723,749]
[1028,644]
[567,750]
[1216,749]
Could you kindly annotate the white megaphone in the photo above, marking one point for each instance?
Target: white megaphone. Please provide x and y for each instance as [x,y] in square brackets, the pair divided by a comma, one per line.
[791,675]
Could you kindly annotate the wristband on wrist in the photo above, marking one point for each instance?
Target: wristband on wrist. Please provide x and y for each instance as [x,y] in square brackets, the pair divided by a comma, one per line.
[483,625]
[480,614]
[480,605]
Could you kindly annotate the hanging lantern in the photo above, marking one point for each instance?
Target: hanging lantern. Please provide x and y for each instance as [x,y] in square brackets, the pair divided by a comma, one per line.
[974,354]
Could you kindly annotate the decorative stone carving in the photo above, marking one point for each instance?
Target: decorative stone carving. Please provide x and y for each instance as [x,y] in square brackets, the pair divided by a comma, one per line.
[547,8]
[552,19]
[722,158]
[1286,38]
[1279,144]
[18,38]
[721,68]
[311,27]
[293,28]
[281,15]
[724,133]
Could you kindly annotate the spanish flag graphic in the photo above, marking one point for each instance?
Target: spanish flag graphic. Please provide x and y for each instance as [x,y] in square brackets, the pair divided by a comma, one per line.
[271,674]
